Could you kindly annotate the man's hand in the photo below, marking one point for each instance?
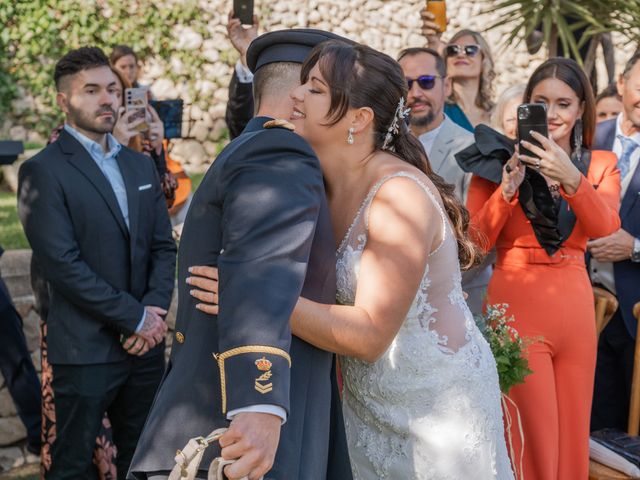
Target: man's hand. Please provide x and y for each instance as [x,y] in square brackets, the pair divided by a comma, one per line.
[206,279]
[240,36]
[135,345]
[153,328]
[252,439]
[616,247]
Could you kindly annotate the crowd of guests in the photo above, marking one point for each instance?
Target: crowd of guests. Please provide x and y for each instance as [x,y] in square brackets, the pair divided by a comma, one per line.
[553,219]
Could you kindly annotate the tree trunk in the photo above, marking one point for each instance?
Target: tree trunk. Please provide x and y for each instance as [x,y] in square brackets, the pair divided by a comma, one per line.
[589,62]
[552,46]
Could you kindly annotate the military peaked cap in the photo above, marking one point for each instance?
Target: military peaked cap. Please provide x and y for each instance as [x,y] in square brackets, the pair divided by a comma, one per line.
[292,45]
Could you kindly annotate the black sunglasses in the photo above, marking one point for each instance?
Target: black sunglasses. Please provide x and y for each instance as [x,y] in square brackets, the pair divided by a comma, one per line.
[425,82]
[468,50]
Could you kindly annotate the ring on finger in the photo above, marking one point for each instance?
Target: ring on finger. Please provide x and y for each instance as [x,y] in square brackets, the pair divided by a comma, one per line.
[538,162]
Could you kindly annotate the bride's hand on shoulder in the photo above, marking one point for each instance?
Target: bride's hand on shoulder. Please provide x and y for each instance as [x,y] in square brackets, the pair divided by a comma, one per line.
[205,281]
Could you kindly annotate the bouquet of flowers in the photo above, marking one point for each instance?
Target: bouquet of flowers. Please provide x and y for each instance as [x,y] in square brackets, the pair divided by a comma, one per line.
[506,345]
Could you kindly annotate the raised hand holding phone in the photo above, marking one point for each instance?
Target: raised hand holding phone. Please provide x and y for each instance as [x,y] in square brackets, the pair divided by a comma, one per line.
[241,36]
[126,126]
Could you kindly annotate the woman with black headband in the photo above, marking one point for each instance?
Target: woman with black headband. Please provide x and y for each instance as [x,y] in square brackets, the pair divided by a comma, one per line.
[539,217]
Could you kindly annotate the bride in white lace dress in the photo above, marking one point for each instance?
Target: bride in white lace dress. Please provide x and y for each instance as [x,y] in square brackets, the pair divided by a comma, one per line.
[421,394]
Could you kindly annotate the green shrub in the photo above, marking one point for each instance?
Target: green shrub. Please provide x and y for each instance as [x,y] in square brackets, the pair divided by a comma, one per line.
[34,34]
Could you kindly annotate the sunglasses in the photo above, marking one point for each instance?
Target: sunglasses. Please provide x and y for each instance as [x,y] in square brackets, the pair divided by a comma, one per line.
[468,50]
[425,82]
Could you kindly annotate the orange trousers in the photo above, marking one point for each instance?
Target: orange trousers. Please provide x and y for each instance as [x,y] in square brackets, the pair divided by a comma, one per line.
[553,309]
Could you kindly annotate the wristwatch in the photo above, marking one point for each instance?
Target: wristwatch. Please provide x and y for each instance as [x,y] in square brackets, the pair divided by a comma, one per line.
[635,255]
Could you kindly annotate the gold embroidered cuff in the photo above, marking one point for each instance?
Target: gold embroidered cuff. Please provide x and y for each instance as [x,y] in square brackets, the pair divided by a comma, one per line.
[262,364]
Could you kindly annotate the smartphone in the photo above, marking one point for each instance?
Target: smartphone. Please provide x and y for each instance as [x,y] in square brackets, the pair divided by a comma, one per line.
[170,112]
[439,9]
[136,99]
[531,116]
[243,9]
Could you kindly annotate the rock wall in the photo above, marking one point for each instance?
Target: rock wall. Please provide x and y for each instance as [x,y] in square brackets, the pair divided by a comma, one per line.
[388,25]
[14,266]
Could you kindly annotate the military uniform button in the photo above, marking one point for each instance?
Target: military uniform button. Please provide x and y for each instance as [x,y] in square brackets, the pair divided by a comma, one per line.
[179,337]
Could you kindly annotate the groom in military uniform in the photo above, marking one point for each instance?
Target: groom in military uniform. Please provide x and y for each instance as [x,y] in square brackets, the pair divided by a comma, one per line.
[260,216]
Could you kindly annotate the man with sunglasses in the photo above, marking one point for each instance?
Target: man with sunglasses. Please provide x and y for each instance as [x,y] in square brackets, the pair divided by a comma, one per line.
[429,87]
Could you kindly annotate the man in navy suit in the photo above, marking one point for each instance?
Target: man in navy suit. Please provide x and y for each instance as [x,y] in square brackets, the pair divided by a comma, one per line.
[96,219]
[615,260]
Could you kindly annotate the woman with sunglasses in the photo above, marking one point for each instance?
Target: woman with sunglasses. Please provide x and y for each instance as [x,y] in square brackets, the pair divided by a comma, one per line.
[539,218]
[470,67]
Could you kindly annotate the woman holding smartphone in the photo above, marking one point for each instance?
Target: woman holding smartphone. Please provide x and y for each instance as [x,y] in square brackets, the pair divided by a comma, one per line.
[540,271]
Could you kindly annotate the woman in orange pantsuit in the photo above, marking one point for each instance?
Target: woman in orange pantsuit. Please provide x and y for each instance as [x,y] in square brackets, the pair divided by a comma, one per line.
[540,271]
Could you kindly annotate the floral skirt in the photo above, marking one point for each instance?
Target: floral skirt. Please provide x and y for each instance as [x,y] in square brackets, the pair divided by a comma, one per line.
[104,454]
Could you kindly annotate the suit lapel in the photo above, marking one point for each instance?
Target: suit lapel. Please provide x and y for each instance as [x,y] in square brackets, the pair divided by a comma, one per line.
[128,172]
[631,196]
[78,156]
[605,135]
[440,148]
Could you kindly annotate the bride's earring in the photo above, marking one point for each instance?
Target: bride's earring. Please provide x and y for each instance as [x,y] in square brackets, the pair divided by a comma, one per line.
[350,136]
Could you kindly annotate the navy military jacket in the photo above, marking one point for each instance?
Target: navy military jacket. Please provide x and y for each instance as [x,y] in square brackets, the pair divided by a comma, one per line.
[260,215]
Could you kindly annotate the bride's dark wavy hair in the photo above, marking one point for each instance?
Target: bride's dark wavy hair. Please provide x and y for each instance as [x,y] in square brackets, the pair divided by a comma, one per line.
[359,76]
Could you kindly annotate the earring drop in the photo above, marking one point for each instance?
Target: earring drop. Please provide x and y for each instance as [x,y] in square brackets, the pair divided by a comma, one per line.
[350,136]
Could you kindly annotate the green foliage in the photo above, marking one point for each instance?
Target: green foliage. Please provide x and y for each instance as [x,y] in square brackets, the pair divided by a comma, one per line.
[597,16]
[11,234]
[506,345]
[36,33]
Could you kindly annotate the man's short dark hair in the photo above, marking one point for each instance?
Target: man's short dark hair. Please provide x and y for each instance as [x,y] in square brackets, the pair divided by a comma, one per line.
[84,58]
[274,79]
[441,65]
[630,64]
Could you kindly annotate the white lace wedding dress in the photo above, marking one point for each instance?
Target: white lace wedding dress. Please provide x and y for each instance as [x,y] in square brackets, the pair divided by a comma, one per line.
[429,408]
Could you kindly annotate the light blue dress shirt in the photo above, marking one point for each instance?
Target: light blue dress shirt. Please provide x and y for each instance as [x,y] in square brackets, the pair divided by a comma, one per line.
[108,165]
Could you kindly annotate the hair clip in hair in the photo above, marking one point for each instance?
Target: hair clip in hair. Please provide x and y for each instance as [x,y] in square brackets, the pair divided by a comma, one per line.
[399,115]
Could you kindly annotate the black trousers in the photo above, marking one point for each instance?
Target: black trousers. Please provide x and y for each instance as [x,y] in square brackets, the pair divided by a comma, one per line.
[614,371]
[17,369]
[82,393]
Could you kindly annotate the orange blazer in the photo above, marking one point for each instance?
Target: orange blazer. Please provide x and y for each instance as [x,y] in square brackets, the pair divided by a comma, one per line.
[496,222]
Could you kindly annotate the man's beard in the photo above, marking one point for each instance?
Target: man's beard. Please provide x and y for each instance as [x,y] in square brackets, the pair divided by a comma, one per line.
[90,122]
[422,121]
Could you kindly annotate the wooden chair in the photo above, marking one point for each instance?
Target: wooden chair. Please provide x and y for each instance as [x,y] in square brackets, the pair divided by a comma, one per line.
[606,305]
[634,407]
[596,470]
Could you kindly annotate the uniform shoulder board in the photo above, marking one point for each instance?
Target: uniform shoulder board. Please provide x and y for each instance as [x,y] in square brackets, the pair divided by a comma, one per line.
[279,123]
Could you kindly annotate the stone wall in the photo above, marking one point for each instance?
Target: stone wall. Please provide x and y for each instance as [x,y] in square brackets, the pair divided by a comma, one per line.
[15,267]
[388,25]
